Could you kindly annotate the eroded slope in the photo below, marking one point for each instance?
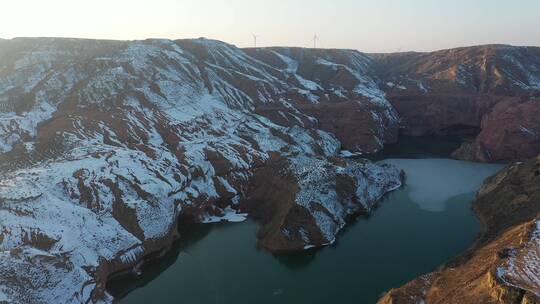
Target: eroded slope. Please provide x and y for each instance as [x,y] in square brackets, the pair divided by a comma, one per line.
[491,91]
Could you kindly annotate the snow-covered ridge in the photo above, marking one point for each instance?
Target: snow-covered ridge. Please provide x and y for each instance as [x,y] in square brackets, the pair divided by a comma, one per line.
[478,69]
[104,145]
[334,72]
[317,183]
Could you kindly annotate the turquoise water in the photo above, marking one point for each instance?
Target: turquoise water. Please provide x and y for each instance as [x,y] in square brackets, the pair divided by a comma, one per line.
[416,229]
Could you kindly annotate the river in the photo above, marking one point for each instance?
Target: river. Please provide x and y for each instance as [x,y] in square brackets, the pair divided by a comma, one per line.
[413,231]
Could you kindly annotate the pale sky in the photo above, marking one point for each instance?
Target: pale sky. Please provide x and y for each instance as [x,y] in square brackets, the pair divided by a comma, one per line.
[367,25]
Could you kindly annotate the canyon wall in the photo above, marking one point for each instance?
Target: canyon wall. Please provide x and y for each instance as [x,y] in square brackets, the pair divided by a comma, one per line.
[489,94]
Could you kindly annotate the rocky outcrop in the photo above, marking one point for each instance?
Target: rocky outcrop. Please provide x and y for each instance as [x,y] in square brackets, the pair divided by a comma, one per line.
[456,92]
[504,264]
[107,146]
[329,193]
[510,131]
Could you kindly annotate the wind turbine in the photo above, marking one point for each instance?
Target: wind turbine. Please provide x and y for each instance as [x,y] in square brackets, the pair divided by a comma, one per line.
[255,39]
[315,39]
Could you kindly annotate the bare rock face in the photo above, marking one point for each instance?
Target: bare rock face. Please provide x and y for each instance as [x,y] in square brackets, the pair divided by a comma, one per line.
[303,202]
[504,264]
[510,131]
[106,145]
[456,92]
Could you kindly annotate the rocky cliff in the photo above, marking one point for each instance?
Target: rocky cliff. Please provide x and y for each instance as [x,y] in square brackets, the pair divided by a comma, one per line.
[487,93]
[504,264]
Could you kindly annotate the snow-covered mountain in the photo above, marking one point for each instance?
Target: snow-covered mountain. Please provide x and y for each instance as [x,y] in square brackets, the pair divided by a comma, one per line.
[107,145]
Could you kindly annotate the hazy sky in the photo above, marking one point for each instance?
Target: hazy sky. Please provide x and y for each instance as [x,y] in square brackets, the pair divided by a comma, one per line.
[367,25]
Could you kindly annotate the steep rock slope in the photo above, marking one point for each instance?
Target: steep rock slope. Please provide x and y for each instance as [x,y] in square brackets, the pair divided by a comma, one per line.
[504,264]
[454,92]
[336,80]
[510,131]
[106,145]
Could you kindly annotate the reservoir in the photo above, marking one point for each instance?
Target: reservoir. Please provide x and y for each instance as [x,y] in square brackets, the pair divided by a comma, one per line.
[413,231]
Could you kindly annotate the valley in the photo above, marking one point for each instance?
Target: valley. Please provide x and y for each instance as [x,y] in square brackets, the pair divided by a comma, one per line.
[413,231]
[108,148]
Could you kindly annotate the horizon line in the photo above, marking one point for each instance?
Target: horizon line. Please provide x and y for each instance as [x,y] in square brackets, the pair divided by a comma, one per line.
[397,51]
